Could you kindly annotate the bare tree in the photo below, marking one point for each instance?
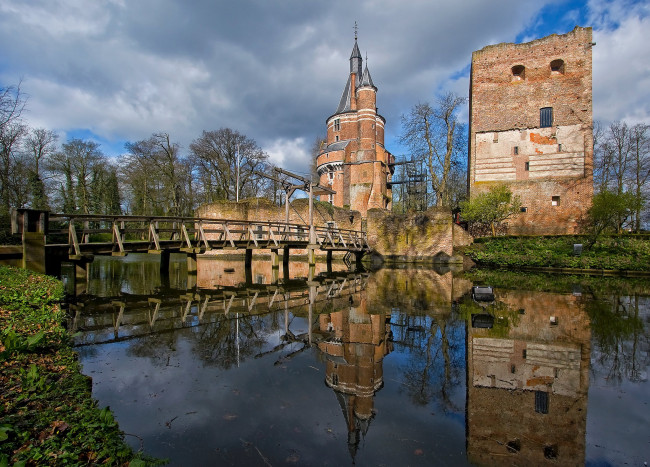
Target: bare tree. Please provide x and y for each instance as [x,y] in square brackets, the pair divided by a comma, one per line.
[40,144]
[622,164]
[435,135]
[159,179]
[12,130]
[74,166]
[640,169]
[219,156]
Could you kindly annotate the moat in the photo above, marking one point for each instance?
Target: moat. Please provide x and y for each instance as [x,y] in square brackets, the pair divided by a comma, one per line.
[393,367]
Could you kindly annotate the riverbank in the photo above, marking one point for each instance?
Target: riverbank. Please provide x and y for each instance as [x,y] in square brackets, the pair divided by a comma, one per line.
[47,413]
[621,254]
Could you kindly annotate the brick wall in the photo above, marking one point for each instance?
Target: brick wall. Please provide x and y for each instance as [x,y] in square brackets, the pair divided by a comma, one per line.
[550,168]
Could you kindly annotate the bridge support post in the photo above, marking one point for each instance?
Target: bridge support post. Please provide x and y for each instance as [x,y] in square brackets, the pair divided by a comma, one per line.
[191,263]
[275,275]
[164,262]
[285,264]
[358,256]
[311,255]
[275,259]
[329,261]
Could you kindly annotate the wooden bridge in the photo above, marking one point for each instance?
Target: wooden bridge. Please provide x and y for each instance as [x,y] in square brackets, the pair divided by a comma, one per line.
[127,316]
[49,239]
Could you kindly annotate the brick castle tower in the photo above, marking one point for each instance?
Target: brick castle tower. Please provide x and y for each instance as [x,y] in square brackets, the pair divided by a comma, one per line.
[531,127]
[354,162]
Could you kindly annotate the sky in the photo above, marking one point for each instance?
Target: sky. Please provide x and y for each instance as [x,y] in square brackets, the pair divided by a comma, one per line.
[115,71]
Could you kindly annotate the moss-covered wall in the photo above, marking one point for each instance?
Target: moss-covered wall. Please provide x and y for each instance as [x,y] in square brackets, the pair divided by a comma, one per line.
[424,235]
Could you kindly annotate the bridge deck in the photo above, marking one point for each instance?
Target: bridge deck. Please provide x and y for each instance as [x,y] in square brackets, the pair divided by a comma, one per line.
[89,234]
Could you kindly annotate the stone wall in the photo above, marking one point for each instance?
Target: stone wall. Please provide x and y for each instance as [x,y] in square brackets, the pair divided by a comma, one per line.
[429,235]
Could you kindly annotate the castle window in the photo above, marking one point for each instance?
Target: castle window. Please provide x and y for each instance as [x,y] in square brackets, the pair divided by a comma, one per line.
[541,402]
[555,200]
[515,150]
[546,117]
[526,166]
[523,209]
[337,137]
[331,199]
[518,72]
[557,67]
[330,175]
[337,124]
[559,148]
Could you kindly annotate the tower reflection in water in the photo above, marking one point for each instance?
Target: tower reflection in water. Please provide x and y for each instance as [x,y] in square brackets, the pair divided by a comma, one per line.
[357,343]
[528,378]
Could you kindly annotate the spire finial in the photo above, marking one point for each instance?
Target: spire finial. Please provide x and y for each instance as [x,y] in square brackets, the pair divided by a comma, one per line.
[356,30]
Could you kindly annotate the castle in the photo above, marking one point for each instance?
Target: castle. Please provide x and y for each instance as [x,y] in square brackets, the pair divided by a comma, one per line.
[354,161]
[531,127]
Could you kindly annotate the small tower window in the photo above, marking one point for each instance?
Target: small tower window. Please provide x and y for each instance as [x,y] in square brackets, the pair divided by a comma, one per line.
[518,72]
[337,125]
[337,137]
[546,117]
[555,200]
[526,166]
[515,150]
[523,209]
[557,67]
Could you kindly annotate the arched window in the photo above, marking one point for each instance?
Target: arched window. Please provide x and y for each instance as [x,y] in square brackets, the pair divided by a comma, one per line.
[557,67]
[518,72]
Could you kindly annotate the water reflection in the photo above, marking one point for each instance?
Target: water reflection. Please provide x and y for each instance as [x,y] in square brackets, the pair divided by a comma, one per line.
[528,376]
[394,367]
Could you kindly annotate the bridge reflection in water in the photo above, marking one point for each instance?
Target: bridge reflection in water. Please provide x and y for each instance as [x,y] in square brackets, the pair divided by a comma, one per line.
[416,377]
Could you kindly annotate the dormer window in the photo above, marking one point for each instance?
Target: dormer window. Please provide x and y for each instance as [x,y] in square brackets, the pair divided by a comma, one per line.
[557,67]
[518,72]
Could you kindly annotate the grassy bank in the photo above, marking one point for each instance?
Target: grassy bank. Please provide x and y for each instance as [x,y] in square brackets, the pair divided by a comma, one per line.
[616,253]
[47,414]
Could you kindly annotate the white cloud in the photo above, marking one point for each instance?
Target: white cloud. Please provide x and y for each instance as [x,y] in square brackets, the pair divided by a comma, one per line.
[289,153]
[621,61]
[124,70]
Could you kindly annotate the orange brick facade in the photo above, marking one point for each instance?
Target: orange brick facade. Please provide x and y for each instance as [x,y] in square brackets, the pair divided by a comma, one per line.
[354,161]
[531,127]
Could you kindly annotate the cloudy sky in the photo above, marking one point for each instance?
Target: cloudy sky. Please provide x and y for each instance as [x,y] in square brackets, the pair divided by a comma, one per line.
[119,70]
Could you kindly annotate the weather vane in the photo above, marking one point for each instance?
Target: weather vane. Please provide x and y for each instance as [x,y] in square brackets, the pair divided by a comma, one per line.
[356,29]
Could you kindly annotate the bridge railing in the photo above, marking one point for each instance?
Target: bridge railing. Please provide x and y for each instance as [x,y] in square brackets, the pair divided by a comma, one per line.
[196,234]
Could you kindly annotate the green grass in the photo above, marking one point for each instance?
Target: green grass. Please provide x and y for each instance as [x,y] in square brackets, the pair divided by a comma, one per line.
[619,253]
[47,414]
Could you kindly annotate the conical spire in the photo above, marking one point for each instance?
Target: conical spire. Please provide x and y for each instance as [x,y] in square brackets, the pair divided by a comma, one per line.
[355,60]
[344,103]
[366,80]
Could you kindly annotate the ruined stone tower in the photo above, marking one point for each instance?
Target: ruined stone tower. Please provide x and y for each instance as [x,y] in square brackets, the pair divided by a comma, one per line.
[354,161]
[531,127]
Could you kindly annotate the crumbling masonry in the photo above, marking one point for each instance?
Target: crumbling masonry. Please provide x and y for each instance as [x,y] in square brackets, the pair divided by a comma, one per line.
[531,127]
